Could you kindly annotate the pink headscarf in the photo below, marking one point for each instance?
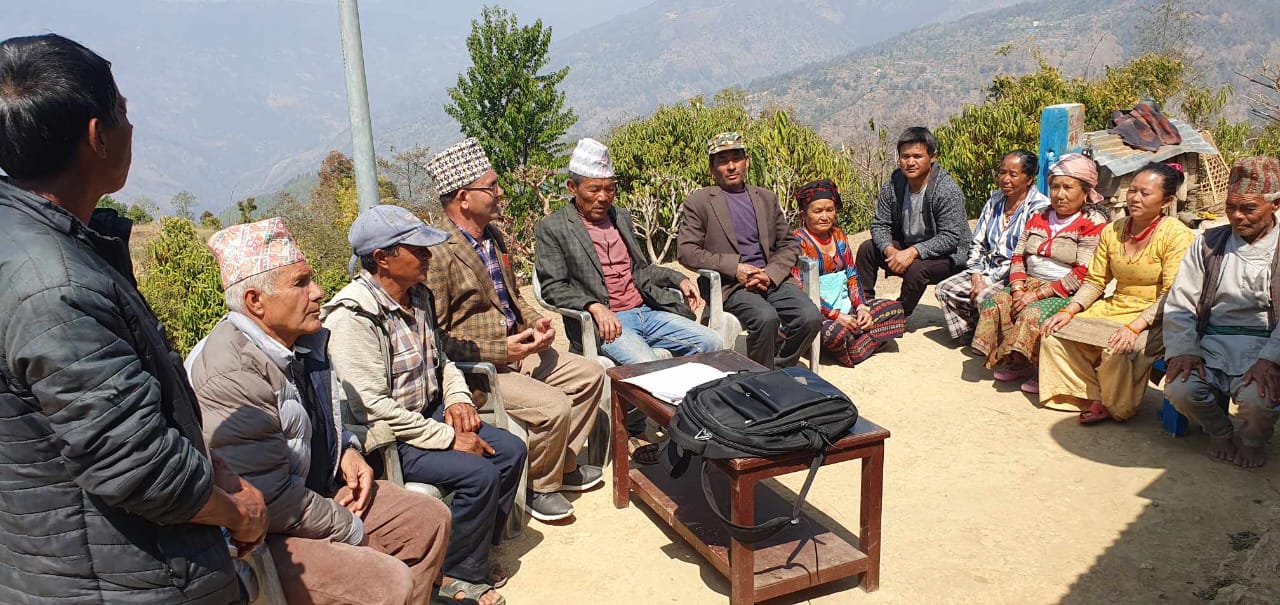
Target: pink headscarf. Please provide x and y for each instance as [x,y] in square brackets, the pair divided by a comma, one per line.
[1081,168]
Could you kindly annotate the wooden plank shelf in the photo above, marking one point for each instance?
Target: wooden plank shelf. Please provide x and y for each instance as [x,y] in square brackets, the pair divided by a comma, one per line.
[798,557]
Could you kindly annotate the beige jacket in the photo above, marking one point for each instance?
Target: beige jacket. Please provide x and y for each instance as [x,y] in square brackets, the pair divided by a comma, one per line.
[256,420]
[359,352]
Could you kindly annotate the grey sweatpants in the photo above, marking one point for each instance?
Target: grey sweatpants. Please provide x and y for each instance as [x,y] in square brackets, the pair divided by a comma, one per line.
[1198,399]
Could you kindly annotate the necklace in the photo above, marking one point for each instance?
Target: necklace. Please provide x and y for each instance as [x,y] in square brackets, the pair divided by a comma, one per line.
[1128,228]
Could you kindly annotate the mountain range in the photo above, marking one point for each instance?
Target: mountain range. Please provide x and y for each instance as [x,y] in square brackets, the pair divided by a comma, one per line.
[924,76]
[236,97]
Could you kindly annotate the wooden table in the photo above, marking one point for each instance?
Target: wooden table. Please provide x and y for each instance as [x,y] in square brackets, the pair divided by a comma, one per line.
[796,558]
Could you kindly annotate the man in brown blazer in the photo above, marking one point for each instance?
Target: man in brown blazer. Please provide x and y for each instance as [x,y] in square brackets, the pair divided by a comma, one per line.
[483,317]
[739,231]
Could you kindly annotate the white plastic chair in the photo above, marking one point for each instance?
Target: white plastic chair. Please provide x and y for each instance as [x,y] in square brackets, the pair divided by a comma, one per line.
[263,567]
[730,329]
[600,440]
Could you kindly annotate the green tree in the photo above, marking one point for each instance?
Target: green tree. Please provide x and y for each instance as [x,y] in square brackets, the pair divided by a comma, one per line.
[142,210]
[139,214]
[136,212]
[338,186]
[502,100]
[209,221]
[107,201]
[246,208]
[182,284]
[184,203]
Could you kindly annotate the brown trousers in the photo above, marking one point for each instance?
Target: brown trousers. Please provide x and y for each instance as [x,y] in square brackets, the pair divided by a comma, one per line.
[406,533]
[556,396]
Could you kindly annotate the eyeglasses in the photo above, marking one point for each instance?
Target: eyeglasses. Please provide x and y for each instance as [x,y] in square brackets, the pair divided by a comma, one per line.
[491,189]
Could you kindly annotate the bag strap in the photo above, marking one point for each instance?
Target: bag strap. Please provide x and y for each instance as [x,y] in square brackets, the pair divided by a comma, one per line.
[750,534]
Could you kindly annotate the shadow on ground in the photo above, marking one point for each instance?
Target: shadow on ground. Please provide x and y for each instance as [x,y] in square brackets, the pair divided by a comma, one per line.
[1185,504]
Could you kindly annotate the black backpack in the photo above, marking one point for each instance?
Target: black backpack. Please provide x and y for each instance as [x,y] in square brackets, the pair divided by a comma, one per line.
[759,414]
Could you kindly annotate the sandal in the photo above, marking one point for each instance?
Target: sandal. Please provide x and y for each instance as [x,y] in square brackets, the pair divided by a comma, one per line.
[471,593]
[1096,413]
[1007,374]
[498,576]
[645,454]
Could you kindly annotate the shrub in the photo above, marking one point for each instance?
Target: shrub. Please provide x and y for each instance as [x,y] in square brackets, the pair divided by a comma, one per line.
[972,142]
[181,282]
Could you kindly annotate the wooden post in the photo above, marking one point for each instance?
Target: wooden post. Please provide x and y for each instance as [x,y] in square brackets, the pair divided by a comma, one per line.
[742,563]
[872,506]
[621,458]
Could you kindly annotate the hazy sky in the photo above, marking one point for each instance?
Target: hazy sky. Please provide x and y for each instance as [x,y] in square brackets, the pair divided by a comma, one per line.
[231,97]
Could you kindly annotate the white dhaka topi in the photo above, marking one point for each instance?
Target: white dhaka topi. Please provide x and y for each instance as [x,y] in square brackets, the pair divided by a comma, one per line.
[591,159]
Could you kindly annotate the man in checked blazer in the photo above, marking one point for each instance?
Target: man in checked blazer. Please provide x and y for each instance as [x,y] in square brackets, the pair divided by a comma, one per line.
[739,231]
[483,317]
[588,259]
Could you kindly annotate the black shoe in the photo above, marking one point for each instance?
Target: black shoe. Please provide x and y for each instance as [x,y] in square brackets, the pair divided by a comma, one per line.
[582,479]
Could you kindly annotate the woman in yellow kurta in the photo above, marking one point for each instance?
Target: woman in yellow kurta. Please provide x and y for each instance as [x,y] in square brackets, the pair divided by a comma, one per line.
[1097,352]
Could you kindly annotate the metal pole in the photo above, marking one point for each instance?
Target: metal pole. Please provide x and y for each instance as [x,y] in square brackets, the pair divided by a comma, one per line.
[358,104]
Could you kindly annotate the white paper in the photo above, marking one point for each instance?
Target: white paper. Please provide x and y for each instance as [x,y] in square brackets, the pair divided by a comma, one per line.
[671,385]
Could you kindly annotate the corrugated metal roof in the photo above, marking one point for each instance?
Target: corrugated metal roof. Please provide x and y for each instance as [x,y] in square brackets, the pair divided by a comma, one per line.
[1110,152]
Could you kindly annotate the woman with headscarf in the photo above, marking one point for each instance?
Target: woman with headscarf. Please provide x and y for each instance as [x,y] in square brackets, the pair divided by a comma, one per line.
[994,236]
[1048,264]
[1097,352]
[852,328]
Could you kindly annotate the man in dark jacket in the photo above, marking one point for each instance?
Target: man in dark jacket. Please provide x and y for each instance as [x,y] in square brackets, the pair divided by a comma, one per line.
[588,259]
[920,231]
[739,230]
[110,496]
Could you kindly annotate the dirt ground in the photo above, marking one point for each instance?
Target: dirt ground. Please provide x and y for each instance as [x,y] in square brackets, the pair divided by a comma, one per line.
[988,499]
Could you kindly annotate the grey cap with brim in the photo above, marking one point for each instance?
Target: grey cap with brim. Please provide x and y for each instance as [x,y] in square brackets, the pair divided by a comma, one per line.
[385,226]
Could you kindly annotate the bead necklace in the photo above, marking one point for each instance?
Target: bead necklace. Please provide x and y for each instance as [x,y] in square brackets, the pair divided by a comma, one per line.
[1128,228]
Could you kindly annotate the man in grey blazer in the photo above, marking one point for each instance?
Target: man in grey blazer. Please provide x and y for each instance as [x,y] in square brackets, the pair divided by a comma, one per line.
[588,258]
[739,231]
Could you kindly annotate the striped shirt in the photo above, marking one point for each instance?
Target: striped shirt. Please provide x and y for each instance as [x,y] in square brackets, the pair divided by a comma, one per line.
[993,242]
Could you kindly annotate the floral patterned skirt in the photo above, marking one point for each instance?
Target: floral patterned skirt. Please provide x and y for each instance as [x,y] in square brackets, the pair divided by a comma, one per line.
[1000,333]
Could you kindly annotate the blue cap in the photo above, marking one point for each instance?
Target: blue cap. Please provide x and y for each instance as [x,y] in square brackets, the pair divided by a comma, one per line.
[384,226]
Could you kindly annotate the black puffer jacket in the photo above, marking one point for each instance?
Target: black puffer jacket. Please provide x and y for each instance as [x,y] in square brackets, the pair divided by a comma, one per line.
[101,456]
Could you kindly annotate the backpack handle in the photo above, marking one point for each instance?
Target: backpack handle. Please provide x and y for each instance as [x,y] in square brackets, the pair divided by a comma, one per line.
[750,534]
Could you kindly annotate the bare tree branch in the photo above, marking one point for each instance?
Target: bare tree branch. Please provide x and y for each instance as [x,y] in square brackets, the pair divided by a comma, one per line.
[1264,98]
[657,213]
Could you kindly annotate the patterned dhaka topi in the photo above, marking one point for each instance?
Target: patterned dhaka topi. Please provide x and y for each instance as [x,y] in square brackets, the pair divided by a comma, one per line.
[244,251]
[458,165]
[1255,176]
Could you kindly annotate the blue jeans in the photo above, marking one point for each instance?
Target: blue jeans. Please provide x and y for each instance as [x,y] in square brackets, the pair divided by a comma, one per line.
[644,330]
